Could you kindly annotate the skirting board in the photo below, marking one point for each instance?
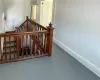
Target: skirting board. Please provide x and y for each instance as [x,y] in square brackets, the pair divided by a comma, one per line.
[81,59]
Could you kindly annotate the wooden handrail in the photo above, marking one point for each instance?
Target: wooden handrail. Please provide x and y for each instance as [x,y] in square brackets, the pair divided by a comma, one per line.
[22,33]
[27,21]
[33,22]
[22,23]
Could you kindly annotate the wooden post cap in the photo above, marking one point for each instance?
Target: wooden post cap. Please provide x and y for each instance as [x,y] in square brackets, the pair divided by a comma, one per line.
[26,17]
[50,24]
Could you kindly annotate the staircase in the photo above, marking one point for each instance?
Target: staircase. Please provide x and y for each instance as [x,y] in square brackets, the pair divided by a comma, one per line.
[29,40]
[9,48]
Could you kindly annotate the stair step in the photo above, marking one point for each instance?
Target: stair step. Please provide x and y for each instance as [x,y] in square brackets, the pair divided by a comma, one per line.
[9,42]
[12,52]
[10,32]
[9,47]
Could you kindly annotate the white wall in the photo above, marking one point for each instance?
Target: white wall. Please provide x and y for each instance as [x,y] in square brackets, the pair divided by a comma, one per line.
[34,2]
[1,13]
[1,6]
[16,12]
[77,24]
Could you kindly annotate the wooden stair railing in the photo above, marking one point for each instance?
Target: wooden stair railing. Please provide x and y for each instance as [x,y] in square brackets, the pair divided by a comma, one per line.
[29,40]
[30,25]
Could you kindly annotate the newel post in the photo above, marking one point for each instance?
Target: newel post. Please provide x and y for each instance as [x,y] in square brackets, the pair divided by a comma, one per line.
[50,39]
[0,48]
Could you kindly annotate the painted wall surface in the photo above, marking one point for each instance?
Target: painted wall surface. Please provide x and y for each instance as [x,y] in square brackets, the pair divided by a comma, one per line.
[16,12]
[77,24]
[1,16]
[34,2]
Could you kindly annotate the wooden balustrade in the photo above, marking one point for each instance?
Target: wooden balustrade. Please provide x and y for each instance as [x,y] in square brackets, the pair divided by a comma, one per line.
[23,46]
[29,40]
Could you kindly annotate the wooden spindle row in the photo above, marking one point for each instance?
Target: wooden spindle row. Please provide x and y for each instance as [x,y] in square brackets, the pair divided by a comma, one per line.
[22,51]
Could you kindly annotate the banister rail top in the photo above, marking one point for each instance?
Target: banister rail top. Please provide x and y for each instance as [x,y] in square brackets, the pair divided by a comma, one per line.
[22,33]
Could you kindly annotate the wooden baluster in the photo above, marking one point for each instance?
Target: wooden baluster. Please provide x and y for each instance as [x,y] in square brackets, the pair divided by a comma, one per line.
[2,43]
[32,37]
[29,49]
[0,50]
[42,39]
[37,30]
[5,47]
[33,27]
[22,46]
[45,41]
[10,48]
[26,49]
[27,22]
[26,40]
[18,29]
[41,29]
[39,34]
[33,52]
[39,37]
[20,53]
[17,46]
[41,52]
[31,45]
[34,43]
[37,50]
[36,27]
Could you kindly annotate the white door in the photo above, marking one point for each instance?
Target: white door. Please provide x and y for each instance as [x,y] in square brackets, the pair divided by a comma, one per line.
[33,16]
[46,12]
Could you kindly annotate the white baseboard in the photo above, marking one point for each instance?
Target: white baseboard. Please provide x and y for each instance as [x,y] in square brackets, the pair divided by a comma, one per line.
[81,59]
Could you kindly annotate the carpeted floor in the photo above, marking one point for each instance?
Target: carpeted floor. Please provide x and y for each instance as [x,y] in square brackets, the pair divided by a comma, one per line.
[60,66]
